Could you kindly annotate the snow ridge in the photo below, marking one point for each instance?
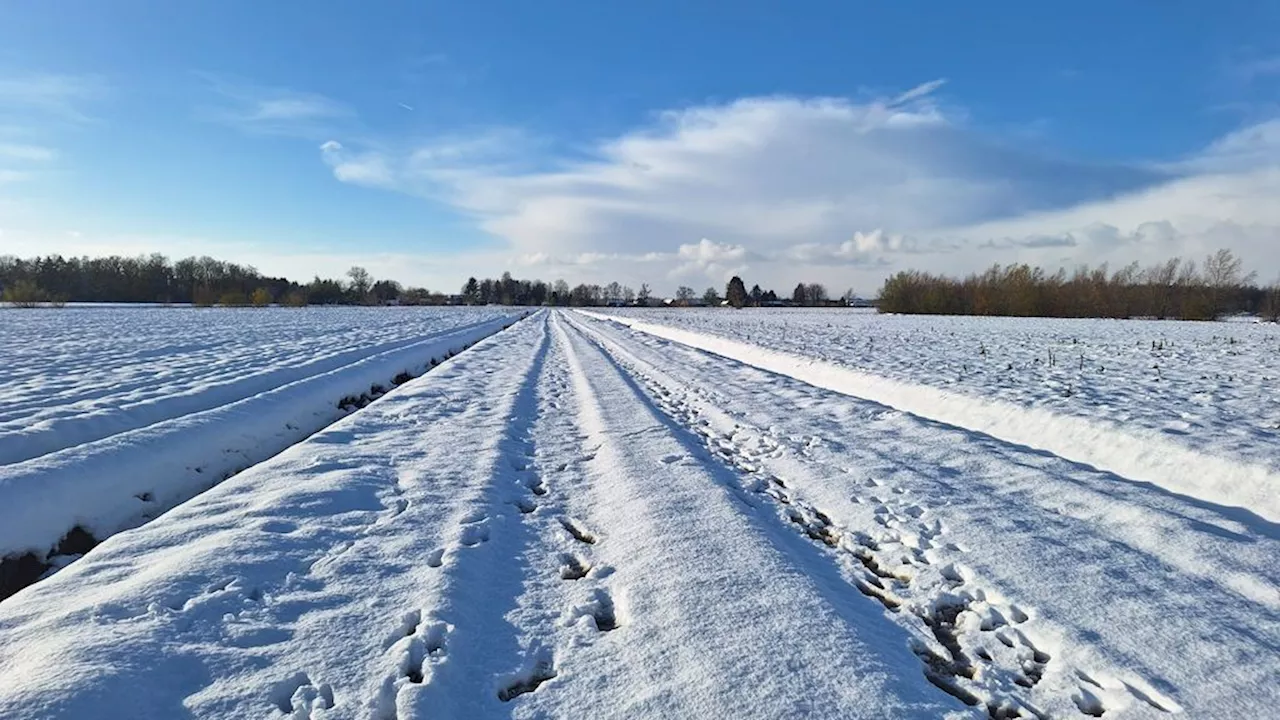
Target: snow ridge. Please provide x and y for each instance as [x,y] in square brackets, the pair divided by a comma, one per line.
[1132,455]
[118,481]
[972,642]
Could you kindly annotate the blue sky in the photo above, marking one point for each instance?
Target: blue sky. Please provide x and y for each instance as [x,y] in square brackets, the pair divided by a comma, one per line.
[661,142]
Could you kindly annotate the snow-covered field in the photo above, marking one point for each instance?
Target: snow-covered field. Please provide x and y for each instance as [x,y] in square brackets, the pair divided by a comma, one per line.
[1210,386]
[1199,402]
[109,416]
[576,518]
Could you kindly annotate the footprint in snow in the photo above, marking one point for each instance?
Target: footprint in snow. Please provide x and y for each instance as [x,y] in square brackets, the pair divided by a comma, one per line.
[473,535]
[540,668]
[573,567]
[299,698]
[579,533]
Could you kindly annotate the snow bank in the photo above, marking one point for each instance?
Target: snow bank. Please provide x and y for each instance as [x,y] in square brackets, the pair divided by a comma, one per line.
[116,482]
[1133,454]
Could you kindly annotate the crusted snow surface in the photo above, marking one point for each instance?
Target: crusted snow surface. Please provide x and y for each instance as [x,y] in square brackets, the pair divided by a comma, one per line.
[576,519]
[1209,386]
[112,416]
[1231,459]
[75,375]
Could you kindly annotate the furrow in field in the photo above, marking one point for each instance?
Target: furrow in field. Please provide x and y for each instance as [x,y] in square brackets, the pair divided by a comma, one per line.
[339,578]
[1042,579]
[879,564]
[529,603]
[714,618]
[60,504]
[1249,491]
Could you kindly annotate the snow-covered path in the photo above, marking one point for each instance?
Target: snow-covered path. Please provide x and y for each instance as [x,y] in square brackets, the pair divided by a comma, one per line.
[574,519]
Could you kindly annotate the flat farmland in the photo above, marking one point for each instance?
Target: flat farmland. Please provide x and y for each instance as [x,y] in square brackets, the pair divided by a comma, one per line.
[626,513]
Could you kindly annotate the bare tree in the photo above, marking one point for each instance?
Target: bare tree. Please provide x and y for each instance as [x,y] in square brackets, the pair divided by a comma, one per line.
[1170,289]
[1270,308]
[684,295]
[361,282]
[1224,276]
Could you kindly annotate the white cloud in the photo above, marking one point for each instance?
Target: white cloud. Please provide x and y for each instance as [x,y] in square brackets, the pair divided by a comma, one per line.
[361,168]
[34,153]
[48,96]
[710,259]
[1187,217]
[784,189]
[264,110]
[920,91]
[1252,70]
[1252,147]
[295,106]
[819,186]
[33,108]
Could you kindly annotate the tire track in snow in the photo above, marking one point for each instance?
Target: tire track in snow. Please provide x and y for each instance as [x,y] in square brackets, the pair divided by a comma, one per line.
[969,640]
[509,567]
[662,517]
[481,576]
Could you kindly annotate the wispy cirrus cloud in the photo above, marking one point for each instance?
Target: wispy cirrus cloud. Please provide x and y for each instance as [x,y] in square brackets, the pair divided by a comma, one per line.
[1257,68]
[266,110]
[48,96]
[35,108]
[24,152]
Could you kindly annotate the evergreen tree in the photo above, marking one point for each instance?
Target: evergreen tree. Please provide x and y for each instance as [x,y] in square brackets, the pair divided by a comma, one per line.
[736,292]
[471,292]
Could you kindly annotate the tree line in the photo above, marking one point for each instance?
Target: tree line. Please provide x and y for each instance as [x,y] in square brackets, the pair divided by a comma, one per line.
[196,280]
[736,295]
[205,281]
[1174,289]
[1177,288]
[507,290]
